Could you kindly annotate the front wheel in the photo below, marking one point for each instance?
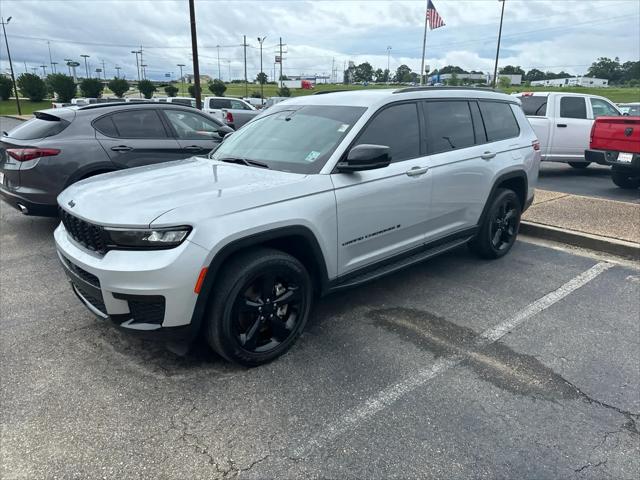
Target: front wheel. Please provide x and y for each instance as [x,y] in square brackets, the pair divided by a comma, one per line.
[499,228]
[260,307]
[580,165]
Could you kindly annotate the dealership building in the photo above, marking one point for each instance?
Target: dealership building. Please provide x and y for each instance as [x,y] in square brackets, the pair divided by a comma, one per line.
[572,82]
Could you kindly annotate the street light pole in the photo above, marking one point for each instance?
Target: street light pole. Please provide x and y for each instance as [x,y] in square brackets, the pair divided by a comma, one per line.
[194,52]
[118,71]
[181,77]
[86,66]
[53,66]
[68,60]
[495,68]
[219,74]
[261,80]
[13,77]
[50,59]
[388,56]
[44,70]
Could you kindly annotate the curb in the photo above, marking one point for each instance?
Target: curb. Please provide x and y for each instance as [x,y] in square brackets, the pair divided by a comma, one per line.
[15,117]
[612,246]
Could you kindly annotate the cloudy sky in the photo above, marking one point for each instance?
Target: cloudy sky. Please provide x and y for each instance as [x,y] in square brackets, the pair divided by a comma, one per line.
[545,34]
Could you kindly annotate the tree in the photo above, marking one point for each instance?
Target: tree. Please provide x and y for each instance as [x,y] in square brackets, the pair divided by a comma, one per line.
[504,82]
[377,75]
[363,72]
[5,87]
[171,90]
[511,70]
[261,78]
[146,88]
[119,86]
[63,86]
[217,87]
[403,74]
[284,91]
[91,88]
[606,68]
[630,71]
[453,81]
[32,87]
[452,69]
[284,77]
[192,90]
[533,75]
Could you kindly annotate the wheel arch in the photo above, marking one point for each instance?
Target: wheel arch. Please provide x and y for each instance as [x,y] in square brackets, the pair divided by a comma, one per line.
[90,171]
[515,180]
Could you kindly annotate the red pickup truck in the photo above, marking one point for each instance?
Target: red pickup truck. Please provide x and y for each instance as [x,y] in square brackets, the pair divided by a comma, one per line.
[615,141]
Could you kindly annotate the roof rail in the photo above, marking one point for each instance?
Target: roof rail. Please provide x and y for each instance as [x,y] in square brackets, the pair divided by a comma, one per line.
[427,89]
[332,91]
[111,104]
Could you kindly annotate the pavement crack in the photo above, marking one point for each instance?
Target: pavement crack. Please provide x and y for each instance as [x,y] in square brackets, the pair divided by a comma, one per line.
[590,465]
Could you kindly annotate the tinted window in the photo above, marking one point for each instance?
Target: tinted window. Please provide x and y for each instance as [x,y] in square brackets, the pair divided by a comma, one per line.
[45,126]
[219,103]
[139,124]
[238,105]
[396,127]
[106,126]
[191,126]
[449,126]
[534,105]
[601,108]
[499,121]
[573,107]
[184,101]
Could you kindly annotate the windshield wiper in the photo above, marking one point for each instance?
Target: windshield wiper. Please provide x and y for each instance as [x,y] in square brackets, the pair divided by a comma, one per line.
[243,161]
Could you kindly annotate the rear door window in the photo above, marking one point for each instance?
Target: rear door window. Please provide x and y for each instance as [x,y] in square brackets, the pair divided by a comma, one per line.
[573,107]
[191,126]
[44,125]
[396,127]
[534,105]
[449,126]
[138,124]
[499,121]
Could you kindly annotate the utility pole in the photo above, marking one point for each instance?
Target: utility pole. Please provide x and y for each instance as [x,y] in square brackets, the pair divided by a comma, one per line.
[53,66]
[44,70]
[67,61]
[194,51]
[13,77]
[333,69]
[261,40]
[229,62]
[495,68]
[246,85]
[137,65]
[26,70]
[104,73]
[86,66]
[280,62]
[143,70]
[141,62]
[388,57]
[181,77]
[219,74]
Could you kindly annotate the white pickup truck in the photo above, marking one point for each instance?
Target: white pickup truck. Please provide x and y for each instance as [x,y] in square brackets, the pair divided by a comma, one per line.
[563,121]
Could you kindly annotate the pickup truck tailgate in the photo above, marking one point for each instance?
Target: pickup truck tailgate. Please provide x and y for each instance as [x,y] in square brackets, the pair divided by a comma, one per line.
[620,134]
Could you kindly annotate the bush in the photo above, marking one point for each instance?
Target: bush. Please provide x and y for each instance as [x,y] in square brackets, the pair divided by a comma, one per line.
[192,90]
[171,91]
[217,87]
[284,91]
[63,86]
[91,88]
[119,86]
[5,87]
[146,88]
[32,87]
[255,94]
[504,82]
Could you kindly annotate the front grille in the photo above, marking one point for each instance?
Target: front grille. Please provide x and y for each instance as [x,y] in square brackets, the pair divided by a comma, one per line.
[86,234]
[83,274]
[147,311]
[95,301]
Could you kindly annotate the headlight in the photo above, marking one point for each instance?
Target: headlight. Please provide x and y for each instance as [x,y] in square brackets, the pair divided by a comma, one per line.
[151,238]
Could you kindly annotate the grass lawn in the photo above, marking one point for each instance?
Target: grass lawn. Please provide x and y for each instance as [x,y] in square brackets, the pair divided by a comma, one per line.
[8,107]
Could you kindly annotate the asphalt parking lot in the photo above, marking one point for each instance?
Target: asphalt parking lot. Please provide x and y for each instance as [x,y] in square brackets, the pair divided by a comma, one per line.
[525,367]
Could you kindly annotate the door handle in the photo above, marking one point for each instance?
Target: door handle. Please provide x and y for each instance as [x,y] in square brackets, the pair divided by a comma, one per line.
[562,125]
[487,155]
[121,148]
[416,171]
[193,148]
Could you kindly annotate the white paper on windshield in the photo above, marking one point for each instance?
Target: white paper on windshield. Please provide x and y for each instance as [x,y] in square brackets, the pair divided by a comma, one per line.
[343,128]
[312,156]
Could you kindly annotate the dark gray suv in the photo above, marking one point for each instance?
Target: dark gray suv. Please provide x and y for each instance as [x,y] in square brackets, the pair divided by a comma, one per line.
[43,156]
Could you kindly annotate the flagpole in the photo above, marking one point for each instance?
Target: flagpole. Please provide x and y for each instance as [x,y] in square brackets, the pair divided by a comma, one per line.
[424,44]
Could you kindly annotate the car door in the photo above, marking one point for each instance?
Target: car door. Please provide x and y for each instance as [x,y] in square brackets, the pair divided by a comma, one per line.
[196,134]
[136,137]
[456,143]
[382,212]
[570,132]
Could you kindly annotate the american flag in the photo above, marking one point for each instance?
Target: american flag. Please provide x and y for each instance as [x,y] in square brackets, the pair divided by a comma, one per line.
[434,18]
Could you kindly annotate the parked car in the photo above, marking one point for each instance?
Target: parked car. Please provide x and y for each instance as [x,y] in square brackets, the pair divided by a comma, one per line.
[43,156]
[319,194]
[271,101]
[187,101]
[615,141]
[217,106]
[255,102]
[631,109]
[563,121]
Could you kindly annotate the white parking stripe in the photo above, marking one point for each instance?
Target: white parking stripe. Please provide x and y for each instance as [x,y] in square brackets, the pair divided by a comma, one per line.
[394,392]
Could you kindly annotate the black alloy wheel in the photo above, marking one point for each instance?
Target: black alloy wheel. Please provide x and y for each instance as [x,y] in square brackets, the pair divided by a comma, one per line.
[498,231]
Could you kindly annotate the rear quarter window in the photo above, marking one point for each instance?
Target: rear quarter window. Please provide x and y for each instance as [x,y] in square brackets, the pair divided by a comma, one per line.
[534,106]
[499,121]
[42,127]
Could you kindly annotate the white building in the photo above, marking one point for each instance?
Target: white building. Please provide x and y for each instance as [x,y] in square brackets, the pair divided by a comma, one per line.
[487,78]
[514,79]
[572,82]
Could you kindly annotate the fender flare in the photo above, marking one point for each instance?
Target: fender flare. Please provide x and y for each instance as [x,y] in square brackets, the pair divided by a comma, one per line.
[519,174]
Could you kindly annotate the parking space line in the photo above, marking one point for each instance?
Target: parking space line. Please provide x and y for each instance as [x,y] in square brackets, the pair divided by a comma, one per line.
[391,394]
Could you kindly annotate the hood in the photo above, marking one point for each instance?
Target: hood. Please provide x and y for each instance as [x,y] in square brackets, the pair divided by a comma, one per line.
[137,196]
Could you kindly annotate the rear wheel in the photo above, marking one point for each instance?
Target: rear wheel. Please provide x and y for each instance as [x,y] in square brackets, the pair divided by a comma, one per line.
[499,228]
[623,179]
[260,307]
[579,165]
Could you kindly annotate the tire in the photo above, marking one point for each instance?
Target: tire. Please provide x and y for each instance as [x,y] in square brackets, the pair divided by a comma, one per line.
[580,165]
[244,322]
[503,214]
[623,180]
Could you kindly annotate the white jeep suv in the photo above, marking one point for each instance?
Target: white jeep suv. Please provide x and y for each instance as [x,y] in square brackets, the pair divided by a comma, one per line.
[318,194]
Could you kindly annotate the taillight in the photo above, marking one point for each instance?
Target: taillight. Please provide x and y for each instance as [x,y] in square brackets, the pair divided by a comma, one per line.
[593,130]
[536,145]
[26,154]
[229,117]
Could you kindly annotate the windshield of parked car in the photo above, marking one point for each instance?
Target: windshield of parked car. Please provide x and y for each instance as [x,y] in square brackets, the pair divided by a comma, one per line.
[298,139]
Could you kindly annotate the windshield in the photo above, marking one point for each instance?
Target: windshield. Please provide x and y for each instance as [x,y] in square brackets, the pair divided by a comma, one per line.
[298,139]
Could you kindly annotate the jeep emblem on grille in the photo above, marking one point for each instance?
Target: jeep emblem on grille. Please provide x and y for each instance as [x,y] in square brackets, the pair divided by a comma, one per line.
[71,203]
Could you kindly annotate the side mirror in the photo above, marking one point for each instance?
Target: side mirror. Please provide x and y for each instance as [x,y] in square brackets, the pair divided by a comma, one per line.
[365,157]
[224,131]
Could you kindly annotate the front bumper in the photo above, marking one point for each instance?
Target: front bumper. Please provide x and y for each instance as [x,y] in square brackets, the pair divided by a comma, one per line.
[146,292]
[606,157]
